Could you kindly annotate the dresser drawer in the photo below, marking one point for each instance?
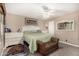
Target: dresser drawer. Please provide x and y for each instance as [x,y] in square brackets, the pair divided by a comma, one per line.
[13,41]
[13,35]
[13,38]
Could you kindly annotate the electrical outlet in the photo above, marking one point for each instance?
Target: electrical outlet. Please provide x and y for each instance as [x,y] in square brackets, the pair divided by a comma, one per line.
[66,40]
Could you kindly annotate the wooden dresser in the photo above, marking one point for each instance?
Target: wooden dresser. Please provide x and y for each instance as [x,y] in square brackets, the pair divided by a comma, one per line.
[13,38]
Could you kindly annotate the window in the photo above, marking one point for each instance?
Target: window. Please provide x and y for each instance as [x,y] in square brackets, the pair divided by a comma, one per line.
[65,25]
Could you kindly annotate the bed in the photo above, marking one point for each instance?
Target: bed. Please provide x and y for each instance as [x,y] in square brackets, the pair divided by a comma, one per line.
[32,37]
[30,34]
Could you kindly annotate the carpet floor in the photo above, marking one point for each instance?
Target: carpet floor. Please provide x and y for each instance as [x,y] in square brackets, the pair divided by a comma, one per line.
[64,50]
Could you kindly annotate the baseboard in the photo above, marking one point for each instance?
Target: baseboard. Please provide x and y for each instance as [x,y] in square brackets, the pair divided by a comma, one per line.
[69,44]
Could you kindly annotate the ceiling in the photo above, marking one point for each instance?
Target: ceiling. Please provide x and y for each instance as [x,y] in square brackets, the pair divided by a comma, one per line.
[41,10]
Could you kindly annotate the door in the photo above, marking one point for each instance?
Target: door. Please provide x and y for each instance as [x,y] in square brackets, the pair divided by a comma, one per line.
[2,18]
[1,33]
[51,27]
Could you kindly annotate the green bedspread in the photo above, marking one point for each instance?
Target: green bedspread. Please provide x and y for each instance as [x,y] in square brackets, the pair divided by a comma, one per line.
[32,37]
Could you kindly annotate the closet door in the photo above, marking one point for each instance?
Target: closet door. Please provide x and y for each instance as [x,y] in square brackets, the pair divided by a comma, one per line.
[51,27]
[1,31]
[2,38]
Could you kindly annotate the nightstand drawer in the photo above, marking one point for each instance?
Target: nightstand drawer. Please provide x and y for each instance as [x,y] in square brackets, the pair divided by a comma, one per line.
[13,35]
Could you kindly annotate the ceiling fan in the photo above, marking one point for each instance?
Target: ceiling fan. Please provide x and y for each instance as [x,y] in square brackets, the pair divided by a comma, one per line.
[46,8]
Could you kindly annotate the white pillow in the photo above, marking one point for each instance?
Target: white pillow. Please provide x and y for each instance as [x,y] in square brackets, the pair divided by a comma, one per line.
[44,31]
[30,28]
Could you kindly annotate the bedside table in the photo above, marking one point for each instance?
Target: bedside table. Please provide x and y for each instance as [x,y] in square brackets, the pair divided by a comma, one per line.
[13,38]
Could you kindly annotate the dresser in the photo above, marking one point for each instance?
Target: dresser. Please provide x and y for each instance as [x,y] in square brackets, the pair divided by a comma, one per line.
[13,38]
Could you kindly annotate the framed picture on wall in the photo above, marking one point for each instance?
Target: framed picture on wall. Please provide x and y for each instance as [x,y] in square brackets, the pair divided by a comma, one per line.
[30,21]
[65,25]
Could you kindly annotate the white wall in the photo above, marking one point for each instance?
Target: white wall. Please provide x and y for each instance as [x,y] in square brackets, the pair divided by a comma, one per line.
[14,22]
[71,37]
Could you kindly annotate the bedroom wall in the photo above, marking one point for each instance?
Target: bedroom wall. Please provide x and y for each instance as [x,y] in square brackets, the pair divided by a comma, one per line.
[43,24]
[14,22]
[71,37]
